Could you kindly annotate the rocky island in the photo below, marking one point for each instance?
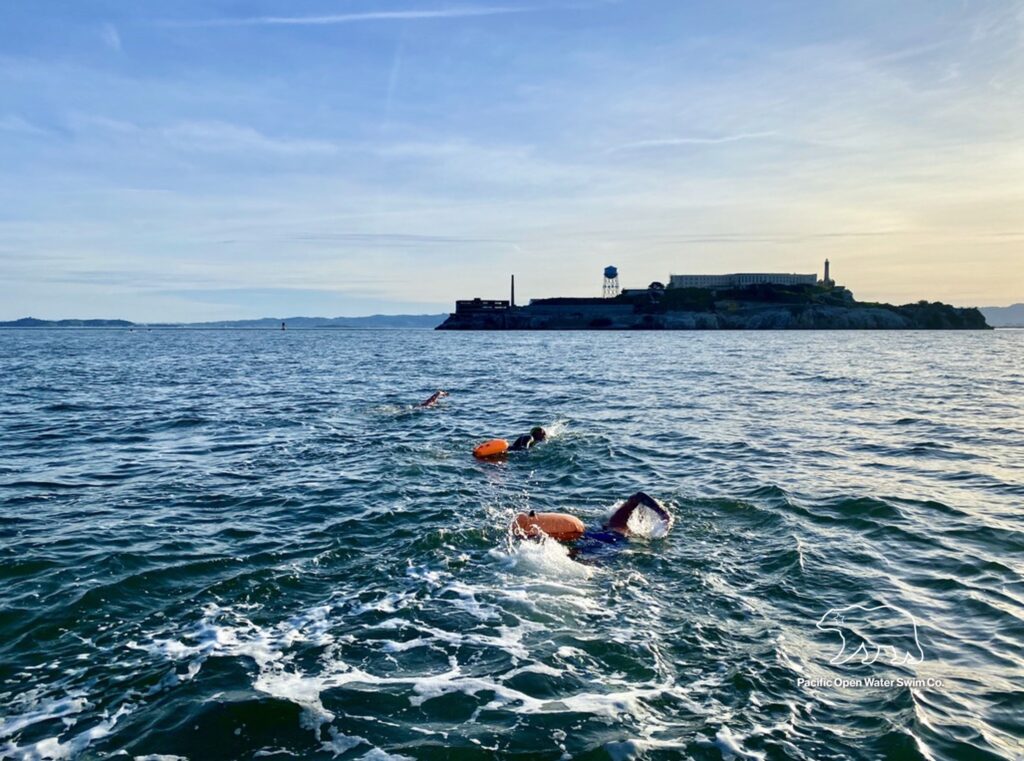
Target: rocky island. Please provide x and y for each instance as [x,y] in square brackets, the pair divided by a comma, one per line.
[760,301]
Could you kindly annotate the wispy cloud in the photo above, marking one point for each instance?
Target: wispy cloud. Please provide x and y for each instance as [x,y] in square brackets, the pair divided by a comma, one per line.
[14,123]
[673,142]
[110,37]
[200,135]
[354,18]
[396,71]
[388,240]
[218,136]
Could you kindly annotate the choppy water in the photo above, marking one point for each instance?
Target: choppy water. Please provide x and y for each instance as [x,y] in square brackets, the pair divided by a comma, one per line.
[244,544]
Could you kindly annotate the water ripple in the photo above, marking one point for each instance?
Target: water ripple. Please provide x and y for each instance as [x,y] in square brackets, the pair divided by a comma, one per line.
[255,542]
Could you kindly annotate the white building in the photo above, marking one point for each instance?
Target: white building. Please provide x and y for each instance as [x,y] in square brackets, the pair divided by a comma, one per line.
[740,280]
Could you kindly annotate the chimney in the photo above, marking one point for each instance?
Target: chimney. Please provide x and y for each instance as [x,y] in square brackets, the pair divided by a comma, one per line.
[513,302]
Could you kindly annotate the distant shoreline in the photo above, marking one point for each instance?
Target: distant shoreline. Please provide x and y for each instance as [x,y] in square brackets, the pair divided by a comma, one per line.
[166,328]
[425,321]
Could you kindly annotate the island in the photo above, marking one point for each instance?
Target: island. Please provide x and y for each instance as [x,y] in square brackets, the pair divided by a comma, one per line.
[740,301]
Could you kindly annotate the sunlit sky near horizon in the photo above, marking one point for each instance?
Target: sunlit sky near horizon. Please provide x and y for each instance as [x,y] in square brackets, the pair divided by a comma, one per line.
[218,160]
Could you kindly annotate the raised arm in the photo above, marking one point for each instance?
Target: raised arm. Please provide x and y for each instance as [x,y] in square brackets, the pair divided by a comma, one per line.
[433,398]
[620,518]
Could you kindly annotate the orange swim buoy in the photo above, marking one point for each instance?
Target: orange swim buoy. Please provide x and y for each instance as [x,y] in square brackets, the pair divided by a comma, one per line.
[559,526]
[490,448]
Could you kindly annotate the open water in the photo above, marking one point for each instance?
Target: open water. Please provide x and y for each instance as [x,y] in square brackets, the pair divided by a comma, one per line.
[249,544]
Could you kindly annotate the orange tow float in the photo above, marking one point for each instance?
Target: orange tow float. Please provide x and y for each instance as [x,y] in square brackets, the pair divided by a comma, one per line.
[561,527]
[490,448]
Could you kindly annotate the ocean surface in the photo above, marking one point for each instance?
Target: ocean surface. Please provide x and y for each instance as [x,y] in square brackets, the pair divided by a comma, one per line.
[251,544]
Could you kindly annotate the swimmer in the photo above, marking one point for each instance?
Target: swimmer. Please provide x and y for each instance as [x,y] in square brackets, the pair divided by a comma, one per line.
[434,398]
[534,437]
[616,529]
[569,529]
[619,522]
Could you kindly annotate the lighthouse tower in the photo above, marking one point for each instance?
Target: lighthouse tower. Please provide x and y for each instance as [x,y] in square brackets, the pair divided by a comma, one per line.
[827,280]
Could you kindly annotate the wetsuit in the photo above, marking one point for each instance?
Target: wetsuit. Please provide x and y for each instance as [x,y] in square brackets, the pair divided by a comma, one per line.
[534,437]
[595,544]
[523,442]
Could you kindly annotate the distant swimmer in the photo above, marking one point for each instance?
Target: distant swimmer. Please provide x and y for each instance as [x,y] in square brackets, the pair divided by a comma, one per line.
[497,448]
[568,528]
[434,398]
[534,437]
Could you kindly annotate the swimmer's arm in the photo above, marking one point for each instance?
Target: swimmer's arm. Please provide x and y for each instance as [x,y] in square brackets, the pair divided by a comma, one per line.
[620,518]
[433,398]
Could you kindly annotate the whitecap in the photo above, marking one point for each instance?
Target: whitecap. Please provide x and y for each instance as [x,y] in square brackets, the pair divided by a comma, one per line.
[731,746]
[341,743]
[379,755]
[545,557]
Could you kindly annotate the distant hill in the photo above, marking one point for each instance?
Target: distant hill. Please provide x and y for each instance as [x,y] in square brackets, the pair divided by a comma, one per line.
[32,322]
[1005,317]
[426,321]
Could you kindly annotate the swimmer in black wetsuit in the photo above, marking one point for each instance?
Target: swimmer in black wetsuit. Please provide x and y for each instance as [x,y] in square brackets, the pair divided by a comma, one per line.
[534,437]
[616,530]
[434,398]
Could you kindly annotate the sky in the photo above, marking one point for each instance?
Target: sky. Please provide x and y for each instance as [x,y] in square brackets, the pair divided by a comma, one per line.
[218,160]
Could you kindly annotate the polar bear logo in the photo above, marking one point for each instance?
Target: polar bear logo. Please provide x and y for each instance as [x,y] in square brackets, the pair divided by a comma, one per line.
[869,633]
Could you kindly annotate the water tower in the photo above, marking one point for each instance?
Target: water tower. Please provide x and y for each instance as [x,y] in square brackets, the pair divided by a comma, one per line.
[611,282]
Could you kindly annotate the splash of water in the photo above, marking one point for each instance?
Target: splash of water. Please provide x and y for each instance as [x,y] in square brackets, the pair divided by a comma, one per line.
[644,523]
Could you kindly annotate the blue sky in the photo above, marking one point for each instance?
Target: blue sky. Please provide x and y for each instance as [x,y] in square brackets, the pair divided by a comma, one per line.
[206,160]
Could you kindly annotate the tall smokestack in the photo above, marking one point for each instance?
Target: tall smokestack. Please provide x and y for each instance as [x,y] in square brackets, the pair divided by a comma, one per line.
[513,290]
